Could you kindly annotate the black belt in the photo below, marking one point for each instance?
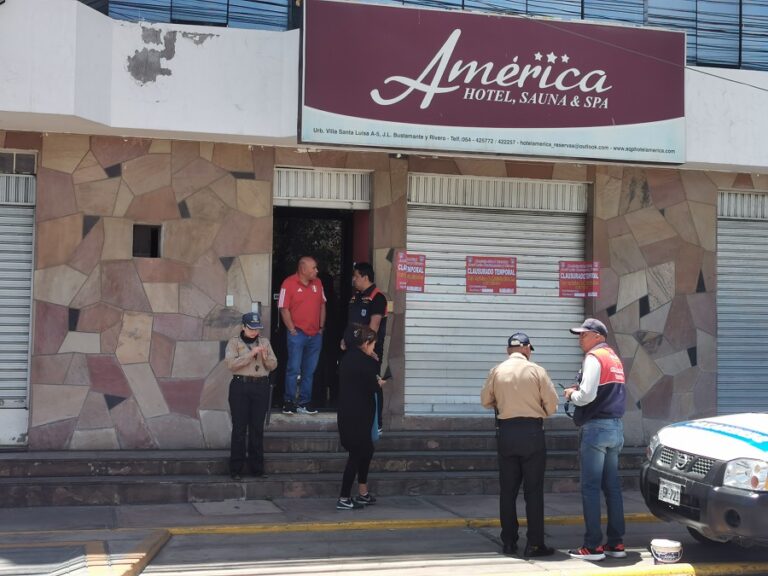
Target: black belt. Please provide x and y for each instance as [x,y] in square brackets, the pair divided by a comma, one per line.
[521,422]
[252,379]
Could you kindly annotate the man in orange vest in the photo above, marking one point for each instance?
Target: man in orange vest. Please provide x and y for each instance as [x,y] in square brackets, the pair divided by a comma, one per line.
[600,399]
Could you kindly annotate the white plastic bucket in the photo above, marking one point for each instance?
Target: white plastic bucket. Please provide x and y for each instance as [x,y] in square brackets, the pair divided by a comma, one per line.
[666,551]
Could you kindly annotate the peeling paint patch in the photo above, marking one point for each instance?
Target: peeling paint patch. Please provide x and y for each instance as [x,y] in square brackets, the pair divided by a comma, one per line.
[151,35]
[146,64]
[197,38]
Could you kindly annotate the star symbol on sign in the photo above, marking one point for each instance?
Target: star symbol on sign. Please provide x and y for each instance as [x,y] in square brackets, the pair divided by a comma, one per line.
[565,58]
[551,57]
[537,56]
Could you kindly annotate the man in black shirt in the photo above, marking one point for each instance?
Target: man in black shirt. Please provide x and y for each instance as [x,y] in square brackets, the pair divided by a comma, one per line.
[368,307]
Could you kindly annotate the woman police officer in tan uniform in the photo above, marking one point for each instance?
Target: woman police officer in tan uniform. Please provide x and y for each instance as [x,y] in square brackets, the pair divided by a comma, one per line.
[250,358]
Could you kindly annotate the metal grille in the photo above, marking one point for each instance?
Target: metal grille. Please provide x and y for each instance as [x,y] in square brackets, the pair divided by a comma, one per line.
[497,193]
[454,338]
[17,190]
[743,205]
[742,302]
[699,466]
[667,456]
[702,466]
[347,190]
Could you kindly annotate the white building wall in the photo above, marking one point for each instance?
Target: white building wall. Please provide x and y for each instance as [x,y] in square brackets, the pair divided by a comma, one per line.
[93,64]
[726,119]
[65,68]
[220,81]
[37,57]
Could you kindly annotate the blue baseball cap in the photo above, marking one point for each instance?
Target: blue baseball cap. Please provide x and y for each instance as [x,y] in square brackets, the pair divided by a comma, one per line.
[591,325]
[519,339]
[252,320]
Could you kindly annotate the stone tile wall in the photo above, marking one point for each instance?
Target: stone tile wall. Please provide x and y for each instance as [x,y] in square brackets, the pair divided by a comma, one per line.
[127,352]
[655,232]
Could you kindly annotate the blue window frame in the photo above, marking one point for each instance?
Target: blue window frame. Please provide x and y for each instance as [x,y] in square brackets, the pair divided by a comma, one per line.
[724,33]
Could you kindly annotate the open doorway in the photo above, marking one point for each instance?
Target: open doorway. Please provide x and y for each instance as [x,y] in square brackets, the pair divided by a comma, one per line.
[334,238]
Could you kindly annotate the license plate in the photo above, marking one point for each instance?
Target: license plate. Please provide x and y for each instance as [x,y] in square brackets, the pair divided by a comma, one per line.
[669,492]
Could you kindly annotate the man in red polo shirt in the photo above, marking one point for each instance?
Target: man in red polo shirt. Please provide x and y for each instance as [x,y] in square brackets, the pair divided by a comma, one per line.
[302,308]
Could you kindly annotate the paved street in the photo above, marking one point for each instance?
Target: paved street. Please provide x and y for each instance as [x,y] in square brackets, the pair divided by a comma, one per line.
[423,536]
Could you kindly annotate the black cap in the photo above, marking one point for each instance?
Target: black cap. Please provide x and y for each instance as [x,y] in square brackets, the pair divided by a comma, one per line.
[591,325]
[519,339]
[252,320]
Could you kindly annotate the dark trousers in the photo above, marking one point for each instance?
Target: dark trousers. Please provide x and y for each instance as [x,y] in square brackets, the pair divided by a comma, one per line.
[248,405]
[358,463]
[522,459]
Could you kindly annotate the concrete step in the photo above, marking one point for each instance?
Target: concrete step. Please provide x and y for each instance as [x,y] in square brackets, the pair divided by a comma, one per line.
[320,441]
[448,461]
[325,441]
[114,490]
[215,462]
[298,462]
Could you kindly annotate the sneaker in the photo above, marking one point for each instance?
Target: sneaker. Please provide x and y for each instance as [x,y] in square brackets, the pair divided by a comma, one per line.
[366,500]
[306,409]
[289,408]
[347,504]
[585,553]
[617,551]
[538,550]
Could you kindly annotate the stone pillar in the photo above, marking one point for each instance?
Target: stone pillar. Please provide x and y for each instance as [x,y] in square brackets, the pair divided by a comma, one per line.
[389,219]
[654,230]
[127,352]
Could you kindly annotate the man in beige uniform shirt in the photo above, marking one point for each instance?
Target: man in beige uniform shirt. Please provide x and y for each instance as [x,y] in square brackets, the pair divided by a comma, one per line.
[250,358]
[523,395]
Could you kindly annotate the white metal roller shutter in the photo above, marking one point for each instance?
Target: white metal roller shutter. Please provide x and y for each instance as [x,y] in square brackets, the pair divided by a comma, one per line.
[17,232]
[454,338]
[16,241]
[742,302]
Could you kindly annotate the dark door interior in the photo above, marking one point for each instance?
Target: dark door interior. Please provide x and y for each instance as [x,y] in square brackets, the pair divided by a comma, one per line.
[326,235]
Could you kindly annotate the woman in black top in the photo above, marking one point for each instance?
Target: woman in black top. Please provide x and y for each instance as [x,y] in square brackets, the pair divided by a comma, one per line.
[358,383]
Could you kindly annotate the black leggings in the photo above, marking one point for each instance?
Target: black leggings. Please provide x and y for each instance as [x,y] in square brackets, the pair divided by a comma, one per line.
[358,462]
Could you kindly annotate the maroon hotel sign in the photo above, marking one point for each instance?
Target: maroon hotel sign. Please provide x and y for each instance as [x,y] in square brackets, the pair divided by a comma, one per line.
[416,78]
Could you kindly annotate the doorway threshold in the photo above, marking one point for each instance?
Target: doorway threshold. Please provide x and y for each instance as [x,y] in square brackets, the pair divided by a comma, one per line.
[322,421]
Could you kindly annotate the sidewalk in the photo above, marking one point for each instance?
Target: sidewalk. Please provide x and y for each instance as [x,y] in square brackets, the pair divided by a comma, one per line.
[404,534]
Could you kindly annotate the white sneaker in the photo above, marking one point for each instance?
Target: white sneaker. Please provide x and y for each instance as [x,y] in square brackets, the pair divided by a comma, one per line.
[308,409]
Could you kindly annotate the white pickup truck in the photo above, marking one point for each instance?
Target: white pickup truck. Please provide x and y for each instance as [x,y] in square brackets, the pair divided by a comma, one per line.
[712,476]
